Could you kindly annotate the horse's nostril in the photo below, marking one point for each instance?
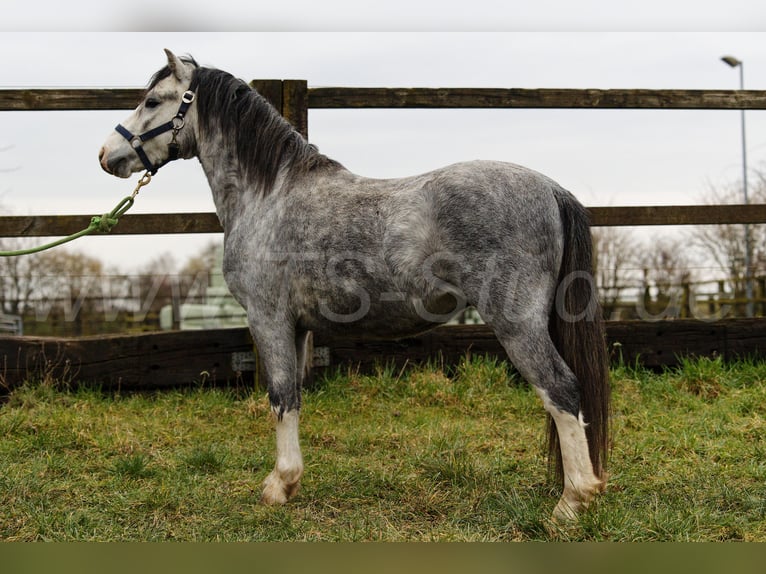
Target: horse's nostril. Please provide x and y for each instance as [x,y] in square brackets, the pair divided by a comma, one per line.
[103,157]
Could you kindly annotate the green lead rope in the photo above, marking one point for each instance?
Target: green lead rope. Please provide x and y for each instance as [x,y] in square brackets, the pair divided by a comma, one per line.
[98,223]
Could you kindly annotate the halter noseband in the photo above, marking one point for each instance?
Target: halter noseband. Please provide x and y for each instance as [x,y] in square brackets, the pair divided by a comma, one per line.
[175,124]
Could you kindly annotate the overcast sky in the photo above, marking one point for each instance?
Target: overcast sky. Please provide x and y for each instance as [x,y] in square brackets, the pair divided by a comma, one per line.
[607,157]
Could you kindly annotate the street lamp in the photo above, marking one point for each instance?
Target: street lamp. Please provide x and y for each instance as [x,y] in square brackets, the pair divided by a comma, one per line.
[734,63]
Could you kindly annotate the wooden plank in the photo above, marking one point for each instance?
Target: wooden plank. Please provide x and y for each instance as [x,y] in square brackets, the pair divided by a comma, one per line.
[342,97]
[206,222]
[661,343]
[70,99]
[339,97]
[187,358]
[136,224]
[678,215]
[445,345]
[652,344]
[744,338]
[130,362]
[102,99]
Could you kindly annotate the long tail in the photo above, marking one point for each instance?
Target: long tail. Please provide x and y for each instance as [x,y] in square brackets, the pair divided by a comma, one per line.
[577,329]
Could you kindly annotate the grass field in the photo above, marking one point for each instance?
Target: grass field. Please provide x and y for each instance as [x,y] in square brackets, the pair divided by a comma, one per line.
[419,455]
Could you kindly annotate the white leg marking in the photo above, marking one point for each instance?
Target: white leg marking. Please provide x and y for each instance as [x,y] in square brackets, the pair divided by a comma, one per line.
[283,482]
[580,482]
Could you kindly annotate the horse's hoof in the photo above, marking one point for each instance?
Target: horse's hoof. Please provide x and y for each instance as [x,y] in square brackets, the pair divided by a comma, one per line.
[565,514]
[277,492]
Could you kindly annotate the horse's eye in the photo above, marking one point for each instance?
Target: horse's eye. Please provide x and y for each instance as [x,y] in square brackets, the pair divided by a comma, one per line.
[152,103]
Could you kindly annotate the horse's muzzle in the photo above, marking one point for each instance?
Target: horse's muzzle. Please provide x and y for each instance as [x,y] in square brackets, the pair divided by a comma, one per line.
[114,164]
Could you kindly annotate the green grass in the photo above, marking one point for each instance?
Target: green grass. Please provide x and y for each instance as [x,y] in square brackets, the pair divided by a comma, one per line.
[416,455]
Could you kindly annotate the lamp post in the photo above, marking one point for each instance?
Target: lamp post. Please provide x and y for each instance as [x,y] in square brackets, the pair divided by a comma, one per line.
[735,63]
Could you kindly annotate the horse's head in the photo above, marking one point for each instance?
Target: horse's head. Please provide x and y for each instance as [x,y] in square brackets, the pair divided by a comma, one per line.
[160,129]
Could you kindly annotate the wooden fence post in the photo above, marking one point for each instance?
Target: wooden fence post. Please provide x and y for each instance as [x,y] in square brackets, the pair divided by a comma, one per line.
[686,301]
[271,90]
[295,104]
[290,97]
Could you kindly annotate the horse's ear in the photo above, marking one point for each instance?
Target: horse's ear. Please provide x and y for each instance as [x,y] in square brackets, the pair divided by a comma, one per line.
[176,65]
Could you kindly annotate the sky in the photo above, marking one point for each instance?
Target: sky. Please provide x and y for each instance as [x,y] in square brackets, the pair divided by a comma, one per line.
[48,160]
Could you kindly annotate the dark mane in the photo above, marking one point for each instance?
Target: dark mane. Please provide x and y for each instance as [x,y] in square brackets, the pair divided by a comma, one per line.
[264,142]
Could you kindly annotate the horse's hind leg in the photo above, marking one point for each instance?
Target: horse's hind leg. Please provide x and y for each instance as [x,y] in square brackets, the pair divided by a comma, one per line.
[282,357]
[532,352]
[580,482]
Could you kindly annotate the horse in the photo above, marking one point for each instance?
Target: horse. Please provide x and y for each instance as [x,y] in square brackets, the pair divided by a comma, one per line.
[310,246]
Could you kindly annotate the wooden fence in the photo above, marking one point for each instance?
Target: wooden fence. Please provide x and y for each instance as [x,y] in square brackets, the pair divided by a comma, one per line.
[179,358]
[293,98]
[182,357]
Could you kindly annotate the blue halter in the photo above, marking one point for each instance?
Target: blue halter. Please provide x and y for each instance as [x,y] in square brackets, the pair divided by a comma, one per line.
[175,124]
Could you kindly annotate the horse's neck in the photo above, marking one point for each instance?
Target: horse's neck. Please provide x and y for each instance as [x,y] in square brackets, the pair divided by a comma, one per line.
[223,175]
[282,159]
[234,194]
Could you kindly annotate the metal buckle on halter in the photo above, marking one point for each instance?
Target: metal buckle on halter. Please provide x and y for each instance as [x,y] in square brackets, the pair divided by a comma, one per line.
[135,142]
[188,97]
[178,122]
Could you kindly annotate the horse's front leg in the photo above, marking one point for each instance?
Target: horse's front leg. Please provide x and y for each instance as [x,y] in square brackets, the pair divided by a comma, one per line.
[284,481]
[281,361]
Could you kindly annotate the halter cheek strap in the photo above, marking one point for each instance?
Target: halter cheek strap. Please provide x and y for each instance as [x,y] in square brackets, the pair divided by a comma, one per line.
[175,124]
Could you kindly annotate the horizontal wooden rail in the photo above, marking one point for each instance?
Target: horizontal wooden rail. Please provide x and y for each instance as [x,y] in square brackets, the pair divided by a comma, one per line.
[535,98]
[334,97]
[205,222]
[135,224]
[70,99]
[677,215]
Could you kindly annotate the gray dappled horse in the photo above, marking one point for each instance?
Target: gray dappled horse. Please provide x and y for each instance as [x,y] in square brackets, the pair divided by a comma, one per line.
[310,246]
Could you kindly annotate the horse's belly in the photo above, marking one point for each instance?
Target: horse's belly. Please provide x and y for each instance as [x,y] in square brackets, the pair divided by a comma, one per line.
[392,316]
